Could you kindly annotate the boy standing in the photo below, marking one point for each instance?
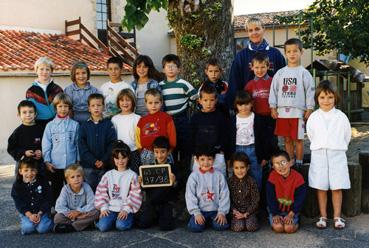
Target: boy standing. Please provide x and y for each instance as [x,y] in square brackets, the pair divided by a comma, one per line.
[111,89]
[209,127]
[158,202]
[26,139]
[177,94]
[291,100]
[96,137]
[259,87]
[207,194]
[286,191]
[156,123]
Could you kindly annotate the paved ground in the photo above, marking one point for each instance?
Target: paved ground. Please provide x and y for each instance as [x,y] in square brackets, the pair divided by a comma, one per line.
[355,235]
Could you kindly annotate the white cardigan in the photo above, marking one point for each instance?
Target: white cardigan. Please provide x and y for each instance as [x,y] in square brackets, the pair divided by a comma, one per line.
[334,134]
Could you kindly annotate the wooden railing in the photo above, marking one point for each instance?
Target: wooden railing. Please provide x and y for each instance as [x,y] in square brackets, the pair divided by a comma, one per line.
[84,35]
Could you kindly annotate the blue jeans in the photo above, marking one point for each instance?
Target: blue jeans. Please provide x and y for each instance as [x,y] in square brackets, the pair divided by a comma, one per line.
[28,227]
[106,223]
[255,168]
[209,218]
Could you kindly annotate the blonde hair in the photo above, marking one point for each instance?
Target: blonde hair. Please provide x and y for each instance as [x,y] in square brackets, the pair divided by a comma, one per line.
[62,97]
[44,61]
[72,168]
[254,20]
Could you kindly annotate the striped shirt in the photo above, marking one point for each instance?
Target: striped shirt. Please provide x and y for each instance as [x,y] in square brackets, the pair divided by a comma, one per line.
[176,95]
[119,191]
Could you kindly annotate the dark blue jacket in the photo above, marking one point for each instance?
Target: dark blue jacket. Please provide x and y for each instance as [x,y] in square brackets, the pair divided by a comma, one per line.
[95,142]
[33,197]
[241,71]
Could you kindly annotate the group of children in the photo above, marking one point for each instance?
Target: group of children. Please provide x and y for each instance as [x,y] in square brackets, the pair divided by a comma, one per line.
[90,143]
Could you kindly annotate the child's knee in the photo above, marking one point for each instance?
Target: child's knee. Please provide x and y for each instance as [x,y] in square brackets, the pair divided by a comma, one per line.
[219,227]
[123,225]
[288,140]
[45,225]
[278,228]
[193,227]
[290,228]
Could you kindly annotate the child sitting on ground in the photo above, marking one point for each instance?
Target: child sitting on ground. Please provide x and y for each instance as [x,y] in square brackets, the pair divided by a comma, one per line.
[158,202]
[75,204]
[244,195]
[32,197]
[207,194]
[118,195]
[286,191]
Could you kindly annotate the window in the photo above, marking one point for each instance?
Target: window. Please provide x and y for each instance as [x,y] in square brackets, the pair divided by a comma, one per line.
[102,13]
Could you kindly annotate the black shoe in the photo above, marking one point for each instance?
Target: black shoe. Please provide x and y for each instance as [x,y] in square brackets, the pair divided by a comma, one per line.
[63,228]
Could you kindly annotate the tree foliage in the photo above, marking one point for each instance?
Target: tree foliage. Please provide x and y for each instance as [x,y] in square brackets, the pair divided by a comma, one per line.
[341,25]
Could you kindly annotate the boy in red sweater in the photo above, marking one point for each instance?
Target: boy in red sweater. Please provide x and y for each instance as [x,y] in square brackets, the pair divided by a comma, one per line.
[156,123]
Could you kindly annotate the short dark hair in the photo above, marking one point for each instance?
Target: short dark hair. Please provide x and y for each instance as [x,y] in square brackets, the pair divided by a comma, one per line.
[294,41]
[261,58]
[204,150]
[282,153]
[213,62]
[119,147]
[115,60]
[161,142]
[327,86]
[242,97]
[79,65]
[26,162]
[242,157]
[171,58]
[26,103]
[95,96]
[208,88]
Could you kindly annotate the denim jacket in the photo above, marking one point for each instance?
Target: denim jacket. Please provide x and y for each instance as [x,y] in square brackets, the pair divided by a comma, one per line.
[60,142]
[152,84]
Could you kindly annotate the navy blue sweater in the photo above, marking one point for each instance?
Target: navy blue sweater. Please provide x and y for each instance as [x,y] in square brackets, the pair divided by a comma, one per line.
[241,71]
[95,142]
[33,197]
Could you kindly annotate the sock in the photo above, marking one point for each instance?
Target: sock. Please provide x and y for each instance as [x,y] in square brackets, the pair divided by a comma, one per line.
[298,161]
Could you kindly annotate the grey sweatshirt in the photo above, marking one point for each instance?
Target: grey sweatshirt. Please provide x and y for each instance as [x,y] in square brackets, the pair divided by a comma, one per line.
[207,192]
[292,87]
[82,201]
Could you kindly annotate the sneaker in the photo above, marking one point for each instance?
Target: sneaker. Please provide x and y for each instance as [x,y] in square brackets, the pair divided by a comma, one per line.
[63,228]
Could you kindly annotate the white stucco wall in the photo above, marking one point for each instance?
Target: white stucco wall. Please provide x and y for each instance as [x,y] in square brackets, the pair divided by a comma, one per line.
[12,91]
[46,15]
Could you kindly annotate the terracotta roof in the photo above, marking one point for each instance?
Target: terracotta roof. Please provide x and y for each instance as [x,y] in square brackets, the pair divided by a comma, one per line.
[266,18]
[19,50]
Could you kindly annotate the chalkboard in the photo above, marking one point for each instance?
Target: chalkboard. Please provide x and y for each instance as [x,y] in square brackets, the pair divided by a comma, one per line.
[155,175]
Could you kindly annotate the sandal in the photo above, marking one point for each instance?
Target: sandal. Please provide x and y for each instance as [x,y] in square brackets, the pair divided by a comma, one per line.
[339,223]
[322,223]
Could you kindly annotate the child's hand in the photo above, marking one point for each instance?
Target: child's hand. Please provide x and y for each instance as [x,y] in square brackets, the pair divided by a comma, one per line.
[122,215]
[38,154]
[263,162]
[307,114]
[35,218]
[199,219]
[50,167]
[246,215]
[29,153]
[73,214]
[99,164]
[288,219]
[172,178]
[221,219]
[277,219]
[104,213]
[274,113]
[139,179]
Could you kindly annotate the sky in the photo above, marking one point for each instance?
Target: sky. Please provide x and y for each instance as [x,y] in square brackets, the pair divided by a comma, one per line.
[241,7]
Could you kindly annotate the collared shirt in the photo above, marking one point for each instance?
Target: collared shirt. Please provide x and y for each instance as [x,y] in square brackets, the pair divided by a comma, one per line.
[79,98]
[60,142]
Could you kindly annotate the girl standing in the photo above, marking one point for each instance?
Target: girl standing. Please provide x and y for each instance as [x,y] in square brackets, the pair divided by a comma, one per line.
[32,197]
[146,77]
[244,195]
[79,91]
[118,194]
[329,132]
[126,125]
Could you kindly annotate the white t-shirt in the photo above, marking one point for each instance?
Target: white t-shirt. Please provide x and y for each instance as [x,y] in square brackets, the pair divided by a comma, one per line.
[245,130]
[126,125]
[110,91]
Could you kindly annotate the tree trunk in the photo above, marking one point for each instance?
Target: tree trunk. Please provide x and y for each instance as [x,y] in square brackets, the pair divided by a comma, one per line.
[203,34]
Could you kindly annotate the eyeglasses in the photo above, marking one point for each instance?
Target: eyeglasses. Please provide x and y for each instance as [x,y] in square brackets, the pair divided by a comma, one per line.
[281,163]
